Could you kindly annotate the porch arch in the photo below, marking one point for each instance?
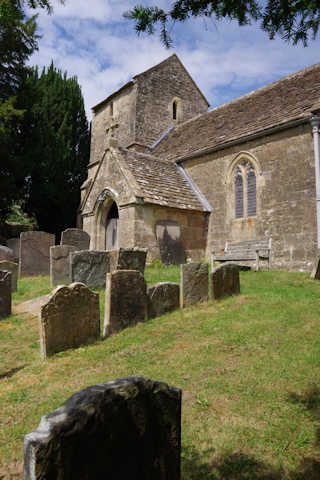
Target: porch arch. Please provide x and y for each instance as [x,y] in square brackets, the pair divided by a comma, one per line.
[106,222]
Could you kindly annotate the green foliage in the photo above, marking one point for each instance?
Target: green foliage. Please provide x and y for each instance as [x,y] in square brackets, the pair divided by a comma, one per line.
[294,20]
[56,147]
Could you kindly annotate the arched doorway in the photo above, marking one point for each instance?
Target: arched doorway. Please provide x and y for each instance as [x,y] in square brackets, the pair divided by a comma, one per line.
[112,227]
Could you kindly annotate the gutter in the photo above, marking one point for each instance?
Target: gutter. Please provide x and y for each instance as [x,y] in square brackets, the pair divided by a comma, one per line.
[206,205]
[237,141]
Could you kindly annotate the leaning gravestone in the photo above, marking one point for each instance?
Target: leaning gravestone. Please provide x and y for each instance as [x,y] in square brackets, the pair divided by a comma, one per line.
[5,293]
[60,264]
[75,237]
[225,281]
[194,283]
[132,259]
[70,318]
[89,267]
[315,274]
[168,234]
[127,428]
[126,300]
[13,269]
[6,254]
[14,245]
[35,253]
[162,298]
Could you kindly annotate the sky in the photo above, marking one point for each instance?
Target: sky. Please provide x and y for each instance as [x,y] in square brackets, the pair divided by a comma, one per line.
[90,39]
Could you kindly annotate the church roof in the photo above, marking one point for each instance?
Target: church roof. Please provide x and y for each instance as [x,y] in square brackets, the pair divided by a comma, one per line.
[162,183]
[279,103]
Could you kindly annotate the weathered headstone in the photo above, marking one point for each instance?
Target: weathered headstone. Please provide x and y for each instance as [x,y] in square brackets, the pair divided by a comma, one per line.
[75,237]
[169,238]
[13,269]
[14,245]
[35,253]
[315,274]
[5,293]
[126,300]
[60,264]
[89,267]
[70,318]
[6,253]
[127,428]
[132,259]
[163,297]
[225,281]
[194,283]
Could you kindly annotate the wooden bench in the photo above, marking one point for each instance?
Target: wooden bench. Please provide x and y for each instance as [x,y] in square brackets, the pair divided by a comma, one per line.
[244,251]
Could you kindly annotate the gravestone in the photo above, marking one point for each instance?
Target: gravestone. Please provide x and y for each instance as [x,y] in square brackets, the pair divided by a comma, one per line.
[124,429]
[194,283]
[13,269]
[132,259]
[60,264]
[5,293]
[35,253]
[163,297]
[6,253]
[168,234]
[126,300]
[225,281]
[89,267]
[315,274]
[14,245]
[70,318]
[76,237]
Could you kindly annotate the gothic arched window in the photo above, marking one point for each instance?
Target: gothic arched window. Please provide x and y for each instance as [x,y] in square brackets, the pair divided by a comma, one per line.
[245,192]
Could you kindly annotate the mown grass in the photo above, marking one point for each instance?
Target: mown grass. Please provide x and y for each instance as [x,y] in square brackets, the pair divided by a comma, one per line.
[249,368]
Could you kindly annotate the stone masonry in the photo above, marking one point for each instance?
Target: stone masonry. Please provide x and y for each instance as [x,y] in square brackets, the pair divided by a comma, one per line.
[127,428]
[69,319]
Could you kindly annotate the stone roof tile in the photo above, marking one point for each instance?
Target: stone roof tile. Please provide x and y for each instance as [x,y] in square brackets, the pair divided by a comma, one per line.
[288,99]
[161,182]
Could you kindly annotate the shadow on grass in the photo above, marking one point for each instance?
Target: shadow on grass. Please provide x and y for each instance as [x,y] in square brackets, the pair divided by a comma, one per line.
[11,372]
[240,466]
[310,399]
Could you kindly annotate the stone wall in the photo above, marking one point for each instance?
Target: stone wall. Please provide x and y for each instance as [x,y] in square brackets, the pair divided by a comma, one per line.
[193,229]
[156,90]
[286,209]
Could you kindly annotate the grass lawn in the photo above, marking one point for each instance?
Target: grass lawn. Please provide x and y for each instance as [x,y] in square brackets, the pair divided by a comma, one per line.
[249,368]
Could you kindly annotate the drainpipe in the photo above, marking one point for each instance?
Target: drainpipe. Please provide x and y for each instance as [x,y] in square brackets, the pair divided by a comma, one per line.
[315,122]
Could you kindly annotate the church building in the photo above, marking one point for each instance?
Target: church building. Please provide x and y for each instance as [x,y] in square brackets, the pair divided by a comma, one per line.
[163,165]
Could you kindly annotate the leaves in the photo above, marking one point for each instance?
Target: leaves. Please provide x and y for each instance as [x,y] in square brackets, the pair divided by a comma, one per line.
[294,20]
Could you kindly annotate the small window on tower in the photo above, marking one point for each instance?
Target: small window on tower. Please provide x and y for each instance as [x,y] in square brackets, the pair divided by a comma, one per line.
[174,110]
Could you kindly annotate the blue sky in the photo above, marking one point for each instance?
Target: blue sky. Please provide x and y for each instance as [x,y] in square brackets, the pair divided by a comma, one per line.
[91,39]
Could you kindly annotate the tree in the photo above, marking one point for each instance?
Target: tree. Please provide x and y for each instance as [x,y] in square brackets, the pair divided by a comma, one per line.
[294,20]
[56,148]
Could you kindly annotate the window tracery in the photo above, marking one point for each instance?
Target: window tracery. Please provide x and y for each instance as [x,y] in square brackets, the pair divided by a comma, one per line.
[245,190]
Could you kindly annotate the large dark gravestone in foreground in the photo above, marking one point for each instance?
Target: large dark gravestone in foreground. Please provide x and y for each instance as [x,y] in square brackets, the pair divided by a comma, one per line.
[125,429]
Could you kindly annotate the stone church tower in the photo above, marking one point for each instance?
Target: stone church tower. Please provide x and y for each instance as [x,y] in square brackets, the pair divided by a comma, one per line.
[132,121]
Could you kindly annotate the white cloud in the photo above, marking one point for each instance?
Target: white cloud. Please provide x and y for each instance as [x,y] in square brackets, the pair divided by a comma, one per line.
[92,41]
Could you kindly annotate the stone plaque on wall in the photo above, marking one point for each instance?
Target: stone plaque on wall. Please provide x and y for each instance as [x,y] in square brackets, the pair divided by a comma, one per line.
[168,235]
[70,318]
[35,253]
[126,300]
[124,429]
[194,283]
[5,293]
[75,237]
